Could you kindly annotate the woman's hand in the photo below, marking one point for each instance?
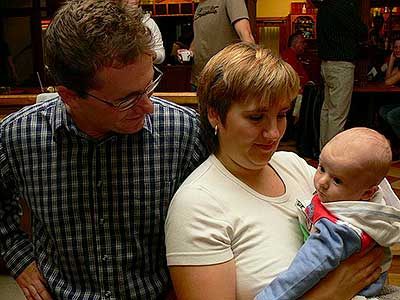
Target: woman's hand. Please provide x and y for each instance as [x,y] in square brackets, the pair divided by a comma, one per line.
[392,58]
[353,274]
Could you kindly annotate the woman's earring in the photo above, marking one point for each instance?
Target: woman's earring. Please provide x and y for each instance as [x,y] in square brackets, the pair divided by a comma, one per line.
[216,129]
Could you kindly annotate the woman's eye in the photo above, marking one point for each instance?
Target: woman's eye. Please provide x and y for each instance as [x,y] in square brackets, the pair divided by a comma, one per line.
[321,169]
[256,117]
[282,116]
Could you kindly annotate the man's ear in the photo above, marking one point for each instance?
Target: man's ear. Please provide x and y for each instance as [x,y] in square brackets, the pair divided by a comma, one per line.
[369,193]
[67,95]
[213,117]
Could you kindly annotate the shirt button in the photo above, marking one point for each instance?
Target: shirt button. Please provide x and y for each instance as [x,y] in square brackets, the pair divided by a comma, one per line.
[108,294]
[105,257]
[99,184]
[102,221]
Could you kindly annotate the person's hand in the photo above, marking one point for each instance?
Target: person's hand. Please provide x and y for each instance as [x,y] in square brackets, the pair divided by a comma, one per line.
[392,58]
[353,274]
[33,284]
[184,55]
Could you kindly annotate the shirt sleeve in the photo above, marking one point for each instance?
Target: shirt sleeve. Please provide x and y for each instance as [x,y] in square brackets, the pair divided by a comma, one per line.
[321,253]
[196,230]
[236,10]
[15,247]
[158,45]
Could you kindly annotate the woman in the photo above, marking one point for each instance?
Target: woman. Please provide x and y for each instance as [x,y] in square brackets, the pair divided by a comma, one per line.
[393,72]
[391,112]
[232,226]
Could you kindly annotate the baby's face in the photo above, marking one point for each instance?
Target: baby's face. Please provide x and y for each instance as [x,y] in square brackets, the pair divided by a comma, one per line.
[337,179]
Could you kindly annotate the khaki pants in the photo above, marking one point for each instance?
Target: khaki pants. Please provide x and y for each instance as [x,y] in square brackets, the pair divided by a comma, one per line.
[338,79]
[9,289]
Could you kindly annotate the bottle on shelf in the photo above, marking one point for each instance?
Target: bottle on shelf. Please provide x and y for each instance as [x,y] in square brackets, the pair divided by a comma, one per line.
[304,9]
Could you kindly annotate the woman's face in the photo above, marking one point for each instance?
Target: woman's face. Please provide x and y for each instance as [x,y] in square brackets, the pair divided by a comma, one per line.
[251,134]
[396,48]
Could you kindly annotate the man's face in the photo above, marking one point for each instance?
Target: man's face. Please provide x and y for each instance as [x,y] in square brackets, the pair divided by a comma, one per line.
[102,118]
[300,44]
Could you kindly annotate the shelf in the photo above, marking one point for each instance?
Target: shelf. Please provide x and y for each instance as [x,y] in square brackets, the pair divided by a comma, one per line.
[305,23]
[171,9]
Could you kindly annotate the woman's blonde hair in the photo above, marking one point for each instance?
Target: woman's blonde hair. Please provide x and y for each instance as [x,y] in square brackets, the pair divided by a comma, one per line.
[239,73]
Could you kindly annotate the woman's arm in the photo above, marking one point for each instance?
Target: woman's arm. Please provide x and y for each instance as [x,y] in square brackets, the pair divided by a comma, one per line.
[215,282]
[353,274]
[392,73]
[393,79]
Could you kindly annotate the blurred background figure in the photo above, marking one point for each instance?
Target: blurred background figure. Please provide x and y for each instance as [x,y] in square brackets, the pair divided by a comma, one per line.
[183,41]
[377,50]
[390,113]
[296,45]
[340,31]
[8,72]
[158,46]
[216,25]
[393,71]
[376,37]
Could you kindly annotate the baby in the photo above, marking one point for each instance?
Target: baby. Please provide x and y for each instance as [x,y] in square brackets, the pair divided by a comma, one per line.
[347,214]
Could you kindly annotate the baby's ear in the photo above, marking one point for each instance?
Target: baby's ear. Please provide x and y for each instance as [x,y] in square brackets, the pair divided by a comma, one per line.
[369,193]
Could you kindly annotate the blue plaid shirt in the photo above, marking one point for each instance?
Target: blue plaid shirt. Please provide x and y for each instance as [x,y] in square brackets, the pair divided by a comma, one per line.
[98,206]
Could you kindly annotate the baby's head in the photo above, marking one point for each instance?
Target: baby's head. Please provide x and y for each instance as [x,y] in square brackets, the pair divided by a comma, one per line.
[352,164]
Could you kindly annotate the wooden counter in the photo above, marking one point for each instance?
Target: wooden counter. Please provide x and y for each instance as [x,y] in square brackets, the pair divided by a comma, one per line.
[373,93]
[13,103]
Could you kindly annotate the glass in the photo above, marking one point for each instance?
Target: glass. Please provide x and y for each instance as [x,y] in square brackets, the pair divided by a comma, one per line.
[131,100]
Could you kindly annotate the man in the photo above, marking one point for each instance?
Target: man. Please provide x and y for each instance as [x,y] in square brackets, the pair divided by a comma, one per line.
[339,31]
[296,46]
[217,24]
[97,166]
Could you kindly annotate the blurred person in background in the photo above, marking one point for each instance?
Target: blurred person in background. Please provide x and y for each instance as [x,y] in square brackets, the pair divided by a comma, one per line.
[158,46]
[217,24]
[296,45]
[340,31]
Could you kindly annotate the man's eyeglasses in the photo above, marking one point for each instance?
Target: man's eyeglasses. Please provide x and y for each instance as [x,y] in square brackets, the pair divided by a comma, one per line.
[131,100]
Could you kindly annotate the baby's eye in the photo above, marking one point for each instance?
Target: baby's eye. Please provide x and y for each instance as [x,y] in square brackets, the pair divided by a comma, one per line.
[337,180]
[321,169]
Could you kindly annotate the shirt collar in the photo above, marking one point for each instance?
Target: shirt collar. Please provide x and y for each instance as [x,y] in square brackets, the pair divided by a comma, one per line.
[60,118]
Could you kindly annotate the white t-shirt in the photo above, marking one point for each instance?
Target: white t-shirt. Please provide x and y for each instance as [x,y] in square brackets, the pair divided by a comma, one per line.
[158,46]
[214,217]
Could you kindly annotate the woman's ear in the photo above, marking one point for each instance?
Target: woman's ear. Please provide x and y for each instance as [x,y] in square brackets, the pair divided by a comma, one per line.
[369,193]
[213,117]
